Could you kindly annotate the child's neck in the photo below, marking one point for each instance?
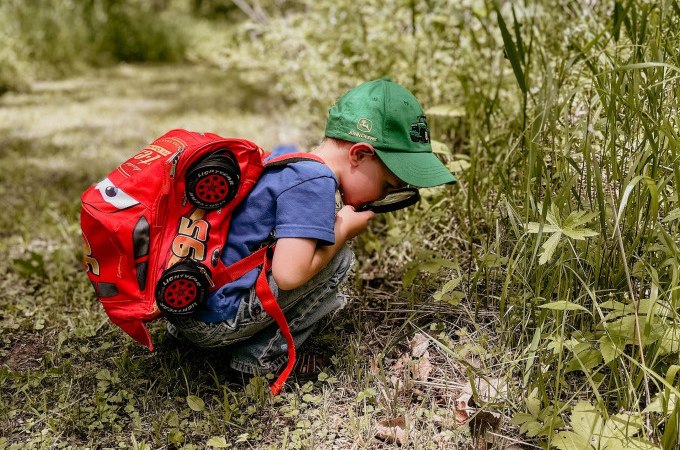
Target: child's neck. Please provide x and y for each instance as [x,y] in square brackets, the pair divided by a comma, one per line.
[334,158]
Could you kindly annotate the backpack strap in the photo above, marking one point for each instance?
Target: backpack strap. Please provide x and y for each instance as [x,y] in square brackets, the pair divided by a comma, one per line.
[289,158]
[271,306]
[263,257]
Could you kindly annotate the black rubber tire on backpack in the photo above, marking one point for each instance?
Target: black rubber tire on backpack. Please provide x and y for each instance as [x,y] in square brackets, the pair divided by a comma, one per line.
[182,288]
[212,182]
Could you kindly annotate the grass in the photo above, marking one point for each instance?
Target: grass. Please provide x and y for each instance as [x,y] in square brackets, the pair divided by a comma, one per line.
[550,273]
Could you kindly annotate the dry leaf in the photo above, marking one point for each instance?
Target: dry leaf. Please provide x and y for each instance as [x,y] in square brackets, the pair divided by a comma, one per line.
[417,392]
[491,389]
[397,384]
[463,408]
[396,422]
[480,425]
[374,369]
[422,368]
[479,421]
[391,430]
[485,419]
[419,345]
[401,363]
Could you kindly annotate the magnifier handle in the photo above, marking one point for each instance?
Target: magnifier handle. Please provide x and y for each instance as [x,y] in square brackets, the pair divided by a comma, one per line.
[364,208]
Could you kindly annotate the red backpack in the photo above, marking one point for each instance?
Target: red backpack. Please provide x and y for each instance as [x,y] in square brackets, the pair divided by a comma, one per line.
[154,230]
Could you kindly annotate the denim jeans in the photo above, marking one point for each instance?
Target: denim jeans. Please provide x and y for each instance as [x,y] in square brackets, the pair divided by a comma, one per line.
[253,339]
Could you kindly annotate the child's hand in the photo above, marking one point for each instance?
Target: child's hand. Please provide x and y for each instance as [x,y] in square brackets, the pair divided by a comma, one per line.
[349,223]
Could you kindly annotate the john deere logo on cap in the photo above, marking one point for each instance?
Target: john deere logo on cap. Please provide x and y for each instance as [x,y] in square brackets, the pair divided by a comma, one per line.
[364,125]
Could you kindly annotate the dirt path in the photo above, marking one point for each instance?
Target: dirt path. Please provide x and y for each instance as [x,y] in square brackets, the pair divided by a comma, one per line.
[111,109]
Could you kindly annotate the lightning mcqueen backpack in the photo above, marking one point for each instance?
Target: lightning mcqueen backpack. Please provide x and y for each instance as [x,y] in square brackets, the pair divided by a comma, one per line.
[154,230]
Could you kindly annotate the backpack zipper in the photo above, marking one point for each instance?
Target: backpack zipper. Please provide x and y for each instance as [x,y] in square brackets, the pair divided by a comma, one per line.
[174,159]
[159,216]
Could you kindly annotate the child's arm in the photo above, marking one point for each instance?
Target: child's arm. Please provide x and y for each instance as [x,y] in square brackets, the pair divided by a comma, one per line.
[297,260]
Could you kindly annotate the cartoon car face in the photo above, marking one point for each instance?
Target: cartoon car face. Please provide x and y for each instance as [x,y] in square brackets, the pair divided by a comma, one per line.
[114,196]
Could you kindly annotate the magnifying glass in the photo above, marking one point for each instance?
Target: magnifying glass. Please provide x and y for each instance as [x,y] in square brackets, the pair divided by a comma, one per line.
[401,198]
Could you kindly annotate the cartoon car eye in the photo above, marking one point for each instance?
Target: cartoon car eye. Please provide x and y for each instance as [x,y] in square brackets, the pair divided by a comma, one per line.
[114,195]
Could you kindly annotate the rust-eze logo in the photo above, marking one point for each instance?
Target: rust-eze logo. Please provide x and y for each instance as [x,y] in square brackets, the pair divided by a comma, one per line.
[364,125]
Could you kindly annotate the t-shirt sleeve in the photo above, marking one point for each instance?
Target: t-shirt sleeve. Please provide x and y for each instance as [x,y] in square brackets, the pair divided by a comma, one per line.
[307,210]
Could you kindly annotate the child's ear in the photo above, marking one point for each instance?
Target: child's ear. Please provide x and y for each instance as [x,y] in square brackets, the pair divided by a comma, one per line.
[360,151]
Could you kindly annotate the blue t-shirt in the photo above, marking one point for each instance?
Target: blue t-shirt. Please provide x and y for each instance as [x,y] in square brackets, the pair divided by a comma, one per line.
[293,201]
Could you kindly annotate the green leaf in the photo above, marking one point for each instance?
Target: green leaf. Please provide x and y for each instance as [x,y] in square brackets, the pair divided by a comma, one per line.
[511,51]
[617,20]
[176,437]
[458,166]
[173,419]
[660,405]
[533,405]
[648,65]
[520,418]
[434,265]
[620,427]
[630,444]
[452,298]
[533,228]
[549,248]
[409,276]
[578,218]
[532,428]
[670,341]
[450,285]
[217,442]
[672,215]
[653,192]
[568,440]
[622,329]
[584,360]
[553,215]
[563,305]
[586,420]
[33,265]
[580,234]
[195,403]
[613,304]
[570,226]
[610,348]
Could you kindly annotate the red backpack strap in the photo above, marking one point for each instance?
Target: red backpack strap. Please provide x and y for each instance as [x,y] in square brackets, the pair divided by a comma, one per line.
[263,257]
[235,271]
[271,306]
[240,268]
[291,158]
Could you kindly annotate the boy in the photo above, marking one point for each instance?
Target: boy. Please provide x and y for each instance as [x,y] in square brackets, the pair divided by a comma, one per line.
[376,141]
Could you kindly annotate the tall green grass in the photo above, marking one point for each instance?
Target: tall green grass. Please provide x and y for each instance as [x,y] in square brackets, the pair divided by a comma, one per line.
[590,226]
[562,125]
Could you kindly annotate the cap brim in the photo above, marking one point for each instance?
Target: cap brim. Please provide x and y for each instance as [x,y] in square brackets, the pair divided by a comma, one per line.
[417,169]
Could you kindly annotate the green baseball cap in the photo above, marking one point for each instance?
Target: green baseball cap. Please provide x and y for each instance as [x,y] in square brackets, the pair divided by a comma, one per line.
[387,116]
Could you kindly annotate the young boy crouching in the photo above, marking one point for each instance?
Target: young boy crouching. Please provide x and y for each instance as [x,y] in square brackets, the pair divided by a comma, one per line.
[376,141]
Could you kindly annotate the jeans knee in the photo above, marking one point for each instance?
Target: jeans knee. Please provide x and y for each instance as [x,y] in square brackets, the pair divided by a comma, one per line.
[340,265]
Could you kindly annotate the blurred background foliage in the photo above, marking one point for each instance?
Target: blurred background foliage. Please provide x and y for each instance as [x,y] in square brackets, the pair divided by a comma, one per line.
[558,117]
